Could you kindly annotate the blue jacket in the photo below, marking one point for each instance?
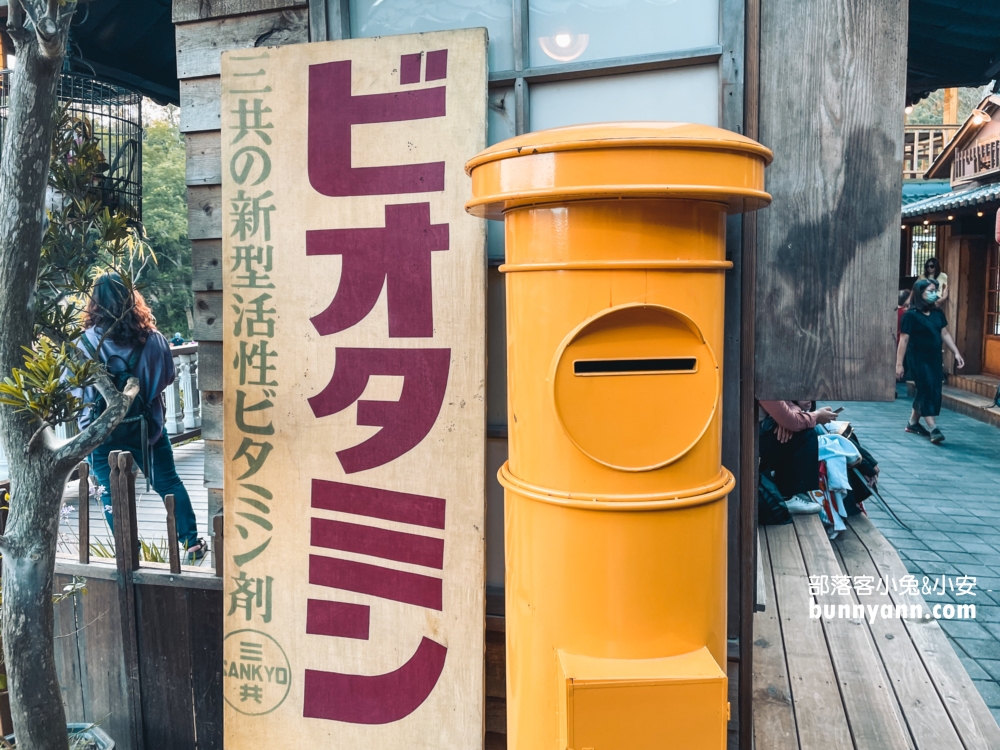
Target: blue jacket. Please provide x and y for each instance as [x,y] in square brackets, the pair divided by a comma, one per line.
[155,372]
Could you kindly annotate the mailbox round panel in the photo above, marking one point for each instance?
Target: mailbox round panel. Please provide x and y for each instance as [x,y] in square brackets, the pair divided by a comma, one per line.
[636,386]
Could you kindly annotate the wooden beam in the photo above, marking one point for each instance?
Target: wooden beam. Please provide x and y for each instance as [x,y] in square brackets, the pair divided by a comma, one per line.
[200,44]
[127,561]
[831,108]
[200,10]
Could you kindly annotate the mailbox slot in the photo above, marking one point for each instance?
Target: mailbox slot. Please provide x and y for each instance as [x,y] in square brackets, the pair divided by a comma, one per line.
[644,366]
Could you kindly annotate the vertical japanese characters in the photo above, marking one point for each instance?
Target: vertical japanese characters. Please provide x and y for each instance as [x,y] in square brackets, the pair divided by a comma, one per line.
[354,392]
[248,224]
[397,257]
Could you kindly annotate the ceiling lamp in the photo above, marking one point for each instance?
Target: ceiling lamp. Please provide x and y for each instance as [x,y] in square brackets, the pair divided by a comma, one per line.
[908,109]
[951,218]
[563,45]
[979,117]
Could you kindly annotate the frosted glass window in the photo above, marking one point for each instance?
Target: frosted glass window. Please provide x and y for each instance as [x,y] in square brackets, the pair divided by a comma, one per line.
[388,17]
[500,127]
[677,95]
[574,30]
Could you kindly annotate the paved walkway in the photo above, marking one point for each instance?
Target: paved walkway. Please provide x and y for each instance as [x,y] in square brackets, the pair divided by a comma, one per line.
[949,495]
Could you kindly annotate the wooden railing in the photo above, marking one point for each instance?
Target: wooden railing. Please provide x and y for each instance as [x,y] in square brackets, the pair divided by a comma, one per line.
[183,418]
[922,144]
[976,161]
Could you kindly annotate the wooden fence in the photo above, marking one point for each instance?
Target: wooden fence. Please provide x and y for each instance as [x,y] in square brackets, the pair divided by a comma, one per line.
[140,652]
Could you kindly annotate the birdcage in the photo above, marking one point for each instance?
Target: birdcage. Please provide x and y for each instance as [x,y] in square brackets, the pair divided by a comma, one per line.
[116,115]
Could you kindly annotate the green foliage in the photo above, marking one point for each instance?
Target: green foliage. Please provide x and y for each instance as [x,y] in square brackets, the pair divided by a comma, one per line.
[167,285]
[47,387]
[930,111]
[87,233]
[148,551]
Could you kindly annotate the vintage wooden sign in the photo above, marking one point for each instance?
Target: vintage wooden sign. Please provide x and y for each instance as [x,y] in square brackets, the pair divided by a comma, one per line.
[354,393]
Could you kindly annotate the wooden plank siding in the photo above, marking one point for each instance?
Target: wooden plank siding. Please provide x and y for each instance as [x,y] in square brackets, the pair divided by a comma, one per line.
[831,109]
[204,158]
[199,44]
[200,10]
[206,265]
[200,104]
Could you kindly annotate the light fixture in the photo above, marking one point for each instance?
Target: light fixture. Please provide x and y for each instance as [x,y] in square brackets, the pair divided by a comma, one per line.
[979,117]
[951,218]
[564,45]
[908,109]
[979,213]
[903,226]
[926,222]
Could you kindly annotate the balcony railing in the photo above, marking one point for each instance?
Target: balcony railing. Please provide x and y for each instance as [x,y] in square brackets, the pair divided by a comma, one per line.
[975,162]
[923,144]
[183,418]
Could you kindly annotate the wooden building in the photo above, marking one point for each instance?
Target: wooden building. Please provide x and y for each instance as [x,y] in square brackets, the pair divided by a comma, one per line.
[959,228]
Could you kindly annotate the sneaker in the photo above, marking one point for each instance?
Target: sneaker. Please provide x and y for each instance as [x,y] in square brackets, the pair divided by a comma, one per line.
[936,436]
[196,551]
[918,429]
[800,505]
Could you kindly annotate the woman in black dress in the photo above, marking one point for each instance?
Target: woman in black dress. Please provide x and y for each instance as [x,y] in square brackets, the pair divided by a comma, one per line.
[922,331]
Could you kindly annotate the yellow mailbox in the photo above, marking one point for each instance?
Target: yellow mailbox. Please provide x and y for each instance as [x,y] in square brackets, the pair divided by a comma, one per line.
[615,493]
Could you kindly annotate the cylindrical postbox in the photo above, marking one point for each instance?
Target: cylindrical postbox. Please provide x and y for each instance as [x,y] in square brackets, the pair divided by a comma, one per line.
[615,493]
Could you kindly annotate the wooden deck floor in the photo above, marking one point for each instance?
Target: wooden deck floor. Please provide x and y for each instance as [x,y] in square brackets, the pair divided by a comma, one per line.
[870,684]
[152,516]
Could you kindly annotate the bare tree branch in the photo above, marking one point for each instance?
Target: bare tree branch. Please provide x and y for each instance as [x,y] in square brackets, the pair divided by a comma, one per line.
[72,451]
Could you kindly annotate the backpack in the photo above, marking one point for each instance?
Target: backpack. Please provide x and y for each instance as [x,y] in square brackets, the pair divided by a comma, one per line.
[139,411]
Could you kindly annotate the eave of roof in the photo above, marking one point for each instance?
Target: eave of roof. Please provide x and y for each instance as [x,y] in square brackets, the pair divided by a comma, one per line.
[956,199]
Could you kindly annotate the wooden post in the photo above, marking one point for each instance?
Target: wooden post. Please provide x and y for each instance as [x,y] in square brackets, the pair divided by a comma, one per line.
[127,559]
[83,471]
[827,246]
[950,114]
[172,550]
[218,524]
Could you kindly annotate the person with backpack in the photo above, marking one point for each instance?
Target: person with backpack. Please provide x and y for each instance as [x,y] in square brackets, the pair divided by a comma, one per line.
[121,332]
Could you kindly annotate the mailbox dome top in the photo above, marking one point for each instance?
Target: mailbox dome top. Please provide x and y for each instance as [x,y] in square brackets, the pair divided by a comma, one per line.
[601,135]
[619,160]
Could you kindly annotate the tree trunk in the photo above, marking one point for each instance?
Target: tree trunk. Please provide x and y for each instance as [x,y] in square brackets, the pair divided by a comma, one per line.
[37,480]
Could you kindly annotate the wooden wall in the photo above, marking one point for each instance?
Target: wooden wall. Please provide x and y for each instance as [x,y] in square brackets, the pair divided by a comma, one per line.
[204,29]
[831,108]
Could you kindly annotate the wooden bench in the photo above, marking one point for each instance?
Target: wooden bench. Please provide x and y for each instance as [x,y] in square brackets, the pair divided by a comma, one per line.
[877,684]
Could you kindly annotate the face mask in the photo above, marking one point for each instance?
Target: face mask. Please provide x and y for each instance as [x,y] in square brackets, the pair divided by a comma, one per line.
[932,297]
